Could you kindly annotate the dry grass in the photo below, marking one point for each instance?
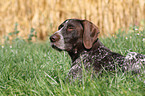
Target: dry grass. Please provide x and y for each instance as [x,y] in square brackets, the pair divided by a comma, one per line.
[46,15]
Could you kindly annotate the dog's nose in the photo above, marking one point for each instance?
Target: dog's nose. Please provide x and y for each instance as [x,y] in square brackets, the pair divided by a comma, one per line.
[54,38]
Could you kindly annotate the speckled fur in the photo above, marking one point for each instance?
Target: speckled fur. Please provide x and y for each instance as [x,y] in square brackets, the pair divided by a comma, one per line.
[102,58]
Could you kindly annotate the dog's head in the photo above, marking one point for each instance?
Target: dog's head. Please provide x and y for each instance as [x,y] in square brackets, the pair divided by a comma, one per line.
[72,33]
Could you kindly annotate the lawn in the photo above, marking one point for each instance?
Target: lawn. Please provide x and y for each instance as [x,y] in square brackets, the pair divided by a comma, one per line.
[28,68]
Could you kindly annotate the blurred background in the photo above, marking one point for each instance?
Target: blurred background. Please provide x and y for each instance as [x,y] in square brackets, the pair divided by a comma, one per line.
[46,15]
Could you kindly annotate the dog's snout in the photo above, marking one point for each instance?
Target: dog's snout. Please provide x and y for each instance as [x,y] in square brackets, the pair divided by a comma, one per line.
[54,38]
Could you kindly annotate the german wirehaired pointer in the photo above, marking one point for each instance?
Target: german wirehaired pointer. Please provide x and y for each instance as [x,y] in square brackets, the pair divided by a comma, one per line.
[80,39]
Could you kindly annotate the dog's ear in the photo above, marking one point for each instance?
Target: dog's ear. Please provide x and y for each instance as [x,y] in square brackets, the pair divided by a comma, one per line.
[90,34]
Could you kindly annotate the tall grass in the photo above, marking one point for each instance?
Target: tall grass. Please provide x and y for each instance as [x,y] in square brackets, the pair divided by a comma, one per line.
[37,69]
[46,15]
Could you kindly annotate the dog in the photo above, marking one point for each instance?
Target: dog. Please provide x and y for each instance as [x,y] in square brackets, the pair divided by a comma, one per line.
[80,39]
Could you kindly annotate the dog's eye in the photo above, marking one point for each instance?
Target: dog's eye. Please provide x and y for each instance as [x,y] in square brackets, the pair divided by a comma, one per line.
[70,28]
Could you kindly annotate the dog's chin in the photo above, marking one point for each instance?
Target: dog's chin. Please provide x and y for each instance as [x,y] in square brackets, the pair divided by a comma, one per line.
[57,48]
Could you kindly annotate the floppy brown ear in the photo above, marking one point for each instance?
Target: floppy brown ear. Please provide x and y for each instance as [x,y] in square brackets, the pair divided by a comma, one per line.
[90,34]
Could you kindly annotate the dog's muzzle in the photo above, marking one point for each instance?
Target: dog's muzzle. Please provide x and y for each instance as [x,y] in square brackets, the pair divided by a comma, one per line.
[57,41]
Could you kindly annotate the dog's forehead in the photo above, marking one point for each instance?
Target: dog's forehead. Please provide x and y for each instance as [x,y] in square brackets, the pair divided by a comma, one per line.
[72,21]
[66,21]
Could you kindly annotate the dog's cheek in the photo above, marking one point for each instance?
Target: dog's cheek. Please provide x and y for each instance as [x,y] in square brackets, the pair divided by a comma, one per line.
[75,35]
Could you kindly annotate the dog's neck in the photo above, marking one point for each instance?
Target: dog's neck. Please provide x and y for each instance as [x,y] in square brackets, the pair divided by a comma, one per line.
[74,54]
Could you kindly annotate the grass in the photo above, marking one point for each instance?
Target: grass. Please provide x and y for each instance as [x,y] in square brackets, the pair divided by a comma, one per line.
[37,69]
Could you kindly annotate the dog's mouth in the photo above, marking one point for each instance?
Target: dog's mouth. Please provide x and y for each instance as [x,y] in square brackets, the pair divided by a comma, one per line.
[58,48]
[55,47]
